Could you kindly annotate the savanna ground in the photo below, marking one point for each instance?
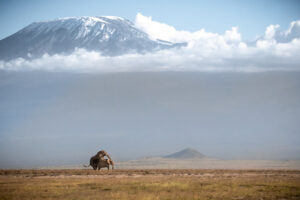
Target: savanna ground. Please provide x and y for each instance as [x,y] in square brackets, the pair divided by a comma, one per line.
[150,184]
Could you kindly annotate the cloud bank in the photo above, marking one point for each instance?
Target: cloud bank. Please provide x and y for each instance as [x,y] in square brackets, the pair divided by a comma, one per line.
[205,51]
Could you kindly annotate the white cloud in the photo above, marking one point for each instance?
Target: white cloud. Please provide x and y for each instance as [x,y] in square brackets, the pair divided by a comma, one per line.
[205,51]
[270,32]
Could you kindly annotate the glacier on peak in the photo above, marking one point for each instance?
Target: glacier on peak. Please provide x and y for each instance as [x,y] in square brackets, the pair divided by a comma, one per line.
[114,17]
[109,35]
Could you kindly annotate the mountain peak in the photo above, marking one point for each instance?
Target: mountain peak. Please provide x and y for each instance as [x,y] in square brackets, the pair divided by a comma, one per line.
[188,153]
[109,35]
[89,18]
[113,17]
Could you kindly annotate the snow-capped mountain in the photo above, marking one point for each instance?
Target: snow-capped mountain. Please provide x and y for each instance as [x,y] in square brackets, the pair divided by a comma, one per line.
[109,35]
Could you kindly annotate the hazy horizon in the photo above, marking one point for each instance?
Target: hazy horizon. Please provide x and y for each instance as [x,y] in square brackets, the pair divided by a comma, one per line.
[64,118]
[222,78]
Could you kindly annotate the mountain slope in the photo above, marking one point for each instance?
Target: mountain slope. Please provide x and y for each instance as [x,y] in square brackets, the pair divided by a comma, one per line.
[109,35]
[188,153]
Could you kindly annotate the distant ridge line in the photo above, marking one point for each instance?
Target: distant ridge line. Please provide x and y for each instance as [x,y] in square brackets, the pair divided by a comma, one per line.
[188,153]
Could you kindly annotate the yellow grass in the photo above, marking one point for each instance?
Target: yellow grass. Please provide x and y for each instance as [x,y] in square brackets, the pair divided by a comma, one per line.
[149,184]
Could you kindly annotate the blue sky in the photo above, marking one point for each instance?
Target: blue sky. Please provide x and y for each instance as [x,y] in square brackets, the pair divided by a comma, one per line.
[251,16]
[251,111]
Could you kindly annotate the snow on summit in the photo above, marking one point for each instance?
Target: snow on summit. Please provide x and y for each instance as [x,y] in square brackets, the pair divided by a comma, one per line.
[114,17]
[148,43]
[109,35]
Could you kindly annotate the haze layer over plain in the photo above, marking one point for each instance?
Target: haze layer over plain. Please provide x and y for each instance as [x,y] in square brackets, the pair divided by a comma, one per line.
[61,118]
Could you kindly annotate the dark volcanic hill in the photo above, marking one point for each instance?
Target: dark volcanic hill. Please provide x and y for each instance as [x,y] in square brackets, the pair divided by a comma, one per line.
[188,153]
[109,35]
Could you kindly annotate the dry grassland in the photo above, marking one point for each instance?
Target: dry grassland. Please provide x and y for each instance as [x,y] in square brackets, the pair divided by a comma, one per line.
[150,184]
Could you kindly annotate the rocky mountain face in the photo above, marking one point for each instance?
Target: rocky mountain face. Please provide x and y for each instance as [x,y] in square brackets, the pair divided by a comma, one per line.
[111,36]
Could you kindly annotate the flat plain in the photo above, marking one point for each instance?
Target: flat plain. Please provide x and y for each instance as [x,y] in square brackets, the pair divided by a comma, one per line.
[149,184]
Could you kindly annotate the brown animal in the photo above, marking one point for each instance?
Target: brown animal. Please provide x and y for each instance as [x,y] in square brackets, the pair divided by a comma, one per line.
[103,153]
[99,160]
[94,162]
[105,163]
